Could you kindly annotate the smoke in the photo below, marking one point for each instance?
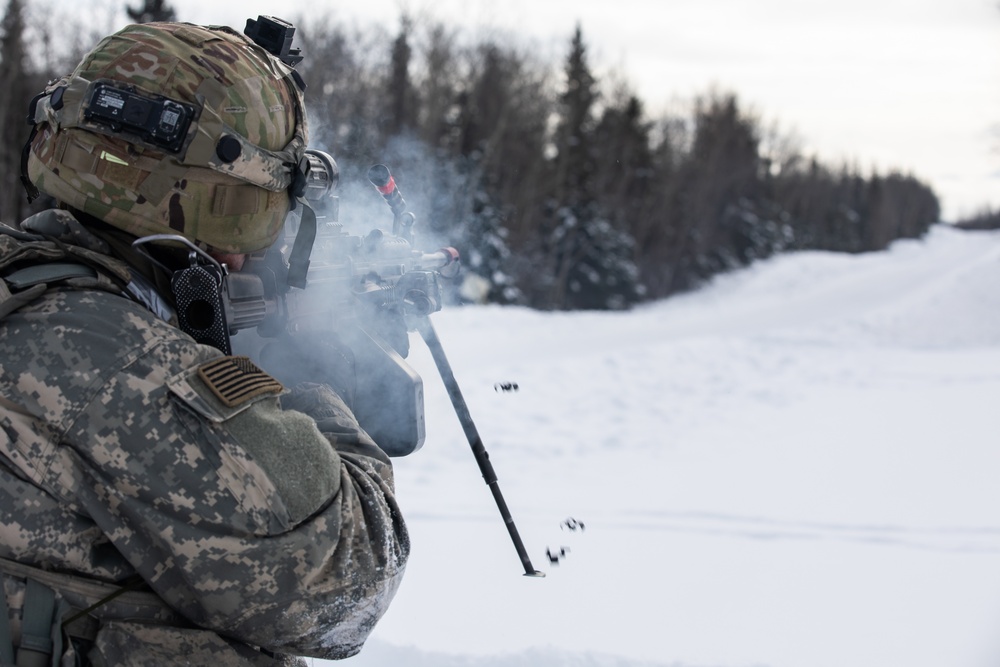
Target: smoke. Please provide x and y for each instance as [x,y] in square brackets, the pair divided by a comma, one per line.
[340,332]
[433,187]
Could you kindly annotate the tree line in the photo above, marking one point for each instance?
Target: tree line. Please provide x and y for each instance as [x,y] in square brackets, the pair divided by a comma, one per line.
[558,189]
[987,218]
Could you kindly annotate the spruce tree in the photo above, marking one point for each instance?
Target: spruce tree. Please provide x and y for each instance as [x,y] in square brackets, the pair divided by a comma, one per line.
[152,11]
[16,82]
[590,258]
[401,114]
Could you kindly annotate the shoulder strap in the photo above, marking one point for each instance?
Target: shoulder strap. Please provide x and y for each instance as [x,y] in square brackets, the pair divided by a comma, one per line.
[35,648]
[51,265]
[21,287]
[9,301]
[52,272]
[6,638]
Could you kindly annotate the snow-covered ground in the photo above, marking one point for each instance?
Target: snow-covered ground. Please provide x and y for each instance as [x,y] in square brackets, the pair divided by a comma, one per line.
[796,466]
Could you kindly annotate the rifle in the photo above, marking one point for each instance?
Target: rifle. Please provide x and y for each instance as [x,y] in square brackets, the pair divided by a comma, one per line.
[362,297]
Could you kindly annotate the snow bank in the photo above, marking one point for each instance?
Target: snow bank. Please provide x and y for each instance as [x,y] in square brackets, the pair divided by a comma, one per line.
[795,466]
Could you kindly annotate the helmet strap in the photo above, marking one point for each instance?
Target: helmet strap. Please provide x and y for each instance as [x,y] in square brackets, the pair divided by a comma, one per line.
[29,187]
[298,260]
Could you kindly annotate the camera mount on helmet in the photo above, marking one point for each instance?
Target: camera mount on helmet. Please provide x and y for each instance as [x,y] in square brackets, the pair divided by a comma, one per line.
[274,36]
[151,119]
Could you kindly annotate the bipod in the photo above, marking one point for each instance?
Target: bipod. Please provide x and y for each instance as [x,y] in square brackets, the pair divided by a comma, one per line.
[426,329]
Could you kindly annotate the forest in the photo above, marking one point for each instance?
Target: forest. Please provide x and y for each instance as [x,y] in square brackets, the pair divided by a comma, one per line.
[560,190]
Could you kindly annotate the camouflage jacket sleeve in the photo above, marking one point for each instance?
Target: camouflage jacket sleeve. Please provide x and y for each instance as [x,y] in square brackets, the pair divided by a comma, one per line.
[254,520]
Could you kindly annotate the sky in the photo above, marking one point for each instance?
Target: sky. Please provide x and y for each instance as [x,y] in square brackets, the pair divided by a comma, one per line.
[794,466]
[912,85]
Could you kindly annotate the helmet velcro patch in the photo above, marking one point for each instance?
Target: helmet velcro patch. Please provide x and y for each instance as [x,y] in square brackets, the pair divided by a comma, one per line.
[236,380]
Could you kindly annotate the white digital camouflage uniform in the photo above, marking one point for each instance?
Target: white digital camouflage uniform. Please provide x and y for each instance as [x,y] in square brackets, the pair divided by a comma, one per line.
[257,516]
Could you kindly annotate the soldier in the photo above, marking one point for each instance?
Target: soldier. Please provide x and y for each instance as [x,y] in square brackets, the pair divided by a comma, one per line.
[162,502]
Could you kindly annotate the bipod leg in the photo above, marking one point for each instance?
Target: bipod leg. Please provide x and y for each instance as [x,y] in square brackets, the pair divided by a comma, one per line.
[430,337]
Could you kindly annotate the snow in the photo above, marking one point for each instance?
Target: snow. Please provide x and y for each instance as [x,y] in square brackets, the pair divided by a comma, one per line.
[796,465]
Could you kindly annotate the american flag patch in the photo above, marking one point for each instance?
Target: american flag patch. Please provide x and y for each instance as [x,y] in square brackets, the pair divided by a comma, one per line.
[236,380]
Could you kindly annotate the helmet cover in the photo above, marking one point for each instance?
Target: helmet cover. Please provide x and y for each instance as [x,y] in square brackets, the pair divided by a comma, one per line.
[172,128]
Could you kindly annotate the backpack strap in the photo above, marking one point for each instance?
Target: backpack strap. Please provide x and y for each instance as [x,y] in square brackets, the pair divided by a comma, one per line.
[52,264]
[21,287]
[31,276]
[6,638]
[35,648]
[9,301]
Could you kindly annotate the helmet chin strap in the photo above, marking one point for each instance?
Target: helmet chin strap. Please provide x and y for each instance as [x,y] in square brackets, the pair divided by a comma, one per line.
[315,177]
[30,190]
[298,260]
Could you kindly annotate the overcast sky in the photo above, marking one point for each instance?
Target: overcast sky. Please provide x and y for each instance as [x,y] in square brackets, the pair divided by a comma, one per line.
[906,84]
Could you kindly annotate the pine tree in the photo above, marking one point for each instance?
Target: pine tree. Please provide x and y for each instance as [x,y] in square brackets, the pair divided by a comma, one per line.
[16,82]
[624,170]
[346,95]
[657,224]
[483,243]
[152,11]
[437,88]
[497,136]
[590,258]
[576,159]
[729,218]
[401,95]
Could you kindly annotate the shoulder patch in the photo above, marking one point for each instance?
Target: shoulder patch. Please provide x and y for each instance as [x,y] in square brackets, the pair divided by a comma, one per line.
[237,380]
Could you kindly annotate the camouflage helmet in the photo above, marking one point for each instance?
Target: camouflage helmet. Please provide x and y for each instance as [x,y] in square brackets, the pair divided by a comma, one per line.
[174,128]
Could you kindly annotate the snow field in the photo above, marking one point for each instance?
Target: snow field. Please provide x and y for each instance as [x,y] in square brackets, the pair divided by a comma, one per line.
[795,466]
